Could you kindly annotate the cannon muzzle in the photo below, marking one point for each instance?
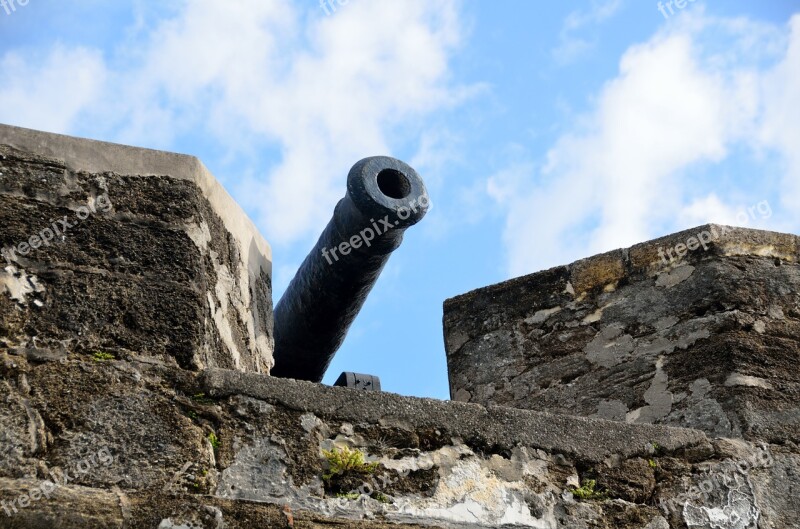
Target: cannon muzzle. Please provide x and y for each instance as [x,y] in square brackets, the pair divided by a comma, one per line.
[384,197]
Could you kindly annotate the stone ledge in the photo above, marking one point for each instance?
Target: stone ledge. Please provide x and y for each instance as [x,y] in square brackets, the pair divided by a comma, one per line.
[591,440]
[205,451]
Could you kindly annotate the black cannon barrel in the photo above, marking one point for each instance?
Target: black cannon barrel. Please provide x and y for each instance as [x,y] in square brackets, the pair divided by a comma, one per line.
[384,197]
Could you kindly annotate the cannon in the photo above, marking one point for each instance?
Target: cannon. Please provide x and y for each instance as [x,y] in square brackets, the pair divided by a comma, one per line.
[384,197]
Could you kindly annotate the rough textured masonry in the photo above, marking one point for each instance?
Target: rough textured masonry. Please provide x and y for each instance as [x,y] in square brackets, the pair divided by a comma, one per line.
[144,444]
[135,346]
[709,341]
[111,249]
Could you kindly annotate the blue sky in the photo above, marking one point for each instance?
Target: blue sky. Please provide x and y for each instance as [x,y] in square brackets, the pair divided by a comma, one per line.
[545,131]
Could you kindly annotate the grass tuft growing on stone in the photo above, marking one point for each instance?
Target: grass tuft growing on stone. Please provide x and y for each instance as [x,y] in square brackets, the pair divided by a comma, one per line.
[349,495]
[342,461]
[201,398]
[588,491]
[100,356]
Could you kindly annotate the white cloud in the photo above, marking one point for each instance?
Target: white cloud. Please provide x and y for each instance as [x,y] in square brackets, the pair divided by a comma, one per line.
[570,45]
[328,93]
[781,121]
[260,74]
[617,177]
[340,102]
[703,210]
[599,11]
[708,209]
[49,92]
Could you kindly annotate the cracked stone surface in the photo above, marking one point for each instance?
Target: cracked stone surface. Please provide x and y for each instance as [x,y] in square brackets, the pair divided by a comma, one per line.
[128,444]
[708,341]
[113,249]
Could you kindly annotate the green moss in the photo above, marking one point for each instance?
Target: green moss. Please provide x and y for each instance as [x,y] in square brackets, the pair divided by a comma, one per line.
[652,463]
[588,491]
[201,398]
[658,449]
[212,438]
[343,461]
[100,356]
[349,495]
[381,497]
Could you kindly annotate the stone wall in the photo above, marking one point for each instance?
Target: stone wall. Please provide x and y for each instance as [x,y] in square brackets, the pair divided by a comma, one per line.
[113,249]
[136,442]
[708,340]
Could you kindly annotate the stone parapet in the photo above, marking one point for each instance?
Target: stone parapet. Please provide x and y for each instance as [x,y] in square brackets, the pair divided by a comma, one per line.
[137,443]
[109,248]
[698,329]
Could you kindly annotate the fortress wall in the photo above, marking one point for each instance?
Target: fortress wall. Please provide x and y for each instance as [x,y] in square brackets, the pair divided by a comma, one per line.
[706,340]
[109,248]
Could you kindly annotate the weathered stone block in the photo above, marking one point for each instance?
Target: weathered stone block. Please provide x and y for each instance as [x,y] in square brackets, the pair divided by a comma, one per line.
[115,249]
[140,443]
[699,329]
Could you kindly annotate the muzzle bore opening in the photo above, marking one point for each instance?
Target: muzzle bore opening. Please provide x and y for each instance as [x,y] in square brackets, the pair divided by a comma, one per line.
[394,184]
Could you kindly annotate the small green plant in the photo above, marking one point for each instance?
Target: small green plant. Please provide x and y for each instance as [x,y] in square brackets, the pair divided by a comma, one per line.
[652,463]
[588,491]
[201,398]
[381,497]
[100,356]
[346,460]
[349,495]
[212,438]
